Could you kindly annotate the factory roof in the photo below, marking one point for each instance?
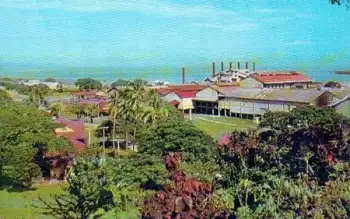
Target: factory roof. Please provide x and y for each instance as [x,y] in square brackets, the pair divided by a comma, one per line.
[280,77]
[183,91]
[283,95]
[340,93]
[186,94]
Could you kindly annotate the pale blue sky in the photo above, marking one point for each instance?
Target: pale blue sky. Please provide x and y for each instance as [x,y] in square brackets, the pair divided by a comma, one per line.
[281,33]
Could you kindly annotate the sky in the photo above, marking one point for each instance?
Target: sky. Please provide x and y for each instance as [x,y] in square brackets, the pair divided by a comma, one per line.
[284,34]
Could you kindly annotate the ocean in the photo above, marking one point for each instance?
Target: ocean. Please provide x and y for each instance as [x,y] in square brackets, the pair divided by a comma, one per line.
[108,75]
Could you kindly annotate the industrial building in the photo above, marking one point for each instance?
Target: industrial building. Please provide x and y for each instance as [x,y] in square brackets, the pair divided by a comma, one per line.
[277,80]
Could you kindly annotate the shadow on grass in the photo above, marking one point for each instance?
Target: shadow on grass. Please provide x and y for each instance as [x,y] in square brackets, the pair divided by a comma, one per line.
[10,185]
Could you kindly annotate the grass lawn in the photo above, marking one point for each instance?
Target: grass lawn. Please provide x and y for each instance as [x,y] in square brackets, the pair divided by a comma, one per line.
[217,126]
[17,204]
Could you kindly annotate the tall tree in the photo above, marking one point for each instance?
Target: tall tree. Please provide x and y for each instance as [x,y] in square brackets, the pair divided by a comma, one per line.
[37,95]
[91,110]
[88,84]
[25,132]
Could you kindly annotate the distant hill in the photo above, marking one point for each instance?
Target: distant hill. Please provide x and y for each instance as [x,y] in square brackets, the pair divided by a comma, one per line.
[345,72]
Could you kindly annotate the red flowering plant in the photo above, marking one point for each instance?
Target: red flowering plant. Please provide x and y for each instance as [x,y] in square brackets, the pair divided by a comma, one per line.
[185,197]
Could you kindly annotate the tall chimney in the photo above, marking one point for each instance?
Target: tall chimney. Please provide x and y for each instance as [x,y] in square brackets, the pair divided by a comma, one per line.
[253,66]
[183,75]
[239,65]
[214,69]
[230,65]
[246,65]
[222,66]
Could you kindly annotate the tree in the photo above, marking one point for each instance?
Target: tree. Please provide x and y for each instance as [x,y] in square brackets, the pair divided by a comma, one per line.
[88,191]
[157,109]
[120,82]
[340,2]
[91,110]
[177,136]
[25,132]
[88,84]
[37,95]
[50,80]
[57,109]
[332,84]
[4,96]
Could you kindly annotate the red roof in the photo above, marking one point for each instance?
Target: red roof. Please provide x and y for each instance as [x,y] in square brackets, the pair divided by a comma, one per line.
[281,77]
[183,91]
[186,94]
[76,136]
[174,102]
[83,93]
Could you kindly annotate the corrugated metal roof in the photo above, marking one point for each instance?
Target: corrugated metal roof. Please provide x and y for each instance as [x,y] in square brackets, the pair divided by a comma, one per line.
[281,77]
[186,94]
[340,93]
[183,91]
[287,95]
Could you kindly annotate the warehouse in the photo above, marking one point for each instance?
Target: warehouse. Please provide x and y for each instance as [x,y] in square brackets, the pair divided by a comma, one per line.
[254,102]
[277,80]
[206,100]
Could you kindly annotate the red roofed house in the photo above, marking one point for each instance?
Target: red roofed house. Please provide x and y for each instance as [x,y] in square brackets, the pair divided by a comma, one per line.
[181,96]
[74,132]
[277,80]
[61,162]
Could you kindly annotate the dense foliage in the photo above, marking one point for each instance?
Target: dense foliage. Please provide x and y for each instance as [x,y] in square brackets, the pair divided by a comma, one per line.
[87,192]
[25,132]
[186,197]
[179,136]
[120,82]
[88,84]
[293,170]
[4,96]
[333,84]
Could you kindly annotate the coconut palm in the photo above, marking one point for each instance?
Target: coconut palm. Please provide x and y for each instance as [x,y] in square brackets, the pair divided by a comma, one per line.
[91,111]
[37,95]
[156,109]
[57,109]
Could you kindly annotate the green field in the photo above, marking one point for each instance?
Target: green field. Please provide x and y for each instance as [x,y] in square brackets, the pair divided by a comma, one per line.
[217,126]
[19,204]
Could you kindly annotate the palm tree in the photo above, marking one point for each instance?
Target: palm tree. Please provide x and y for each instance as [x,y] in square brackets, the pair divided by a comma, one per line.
[57,109]
[91,111]
[37,95]
[118,108]
[156,109]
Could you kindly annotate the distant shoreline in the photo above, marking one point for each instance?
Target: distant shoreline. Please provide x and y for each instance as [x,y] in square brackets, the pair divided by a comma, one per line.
[345,72]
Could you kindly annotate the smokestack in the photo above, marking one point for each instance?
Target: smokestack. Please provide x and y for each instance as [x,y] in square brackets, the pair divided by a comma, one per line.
[239,65]
[222,66]
[214,71]
[230,65]
[253,66]
[183,75]
[246,65]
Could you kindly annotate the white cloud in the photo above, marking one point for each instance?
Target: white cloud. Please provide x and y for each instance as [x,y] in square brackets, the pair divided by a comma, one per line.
[272,10]
[141,6]
[241,27]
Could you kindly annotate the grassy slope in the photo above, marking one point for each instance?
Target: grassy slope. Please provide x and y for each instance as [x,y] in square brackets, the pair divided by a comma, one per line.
[20,204]
[217,126]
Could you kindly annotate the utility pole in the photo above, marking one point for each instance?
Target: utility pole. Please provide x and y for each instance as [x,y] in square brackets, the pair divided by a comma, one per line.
[104,139]
[89,137]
